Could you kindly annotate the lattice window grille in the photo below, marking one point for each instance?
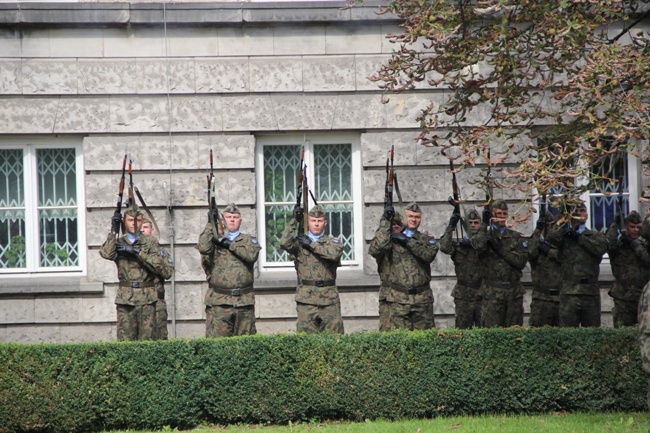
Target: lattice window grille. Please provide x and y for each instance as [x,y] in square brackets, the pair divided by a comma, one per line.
[58,238]
[12,239]
[12,188]
[57,177]
[607,199]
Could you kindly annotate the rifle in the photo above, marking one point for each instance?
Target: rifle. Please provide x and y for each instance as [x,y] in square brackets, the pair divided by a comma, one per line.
[542,211]
[130,184]
[300,183]
[219,224]
[120,191]
[621,218]
[454,200]
[390,179]
[488,187]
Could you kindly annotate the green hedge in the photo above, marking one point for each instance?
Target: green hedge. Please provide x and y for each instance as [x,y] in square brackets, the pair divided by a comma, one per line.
[275,379]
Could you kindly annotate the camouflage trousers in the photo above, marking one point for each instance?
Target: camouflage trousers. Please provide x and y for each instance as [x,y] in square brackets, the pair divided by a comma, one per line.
[313,319]
[411,316]
[625,313]
[577,310]
[161,319]
[136,322]
[502,312]
[384,315]
[544,313]
[229,321]
[644,330]
[468,313]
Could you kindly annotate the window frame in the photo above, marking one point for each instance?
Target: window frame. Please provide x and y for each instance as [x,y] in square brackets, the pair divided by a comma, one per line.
[30,146]
[309,140]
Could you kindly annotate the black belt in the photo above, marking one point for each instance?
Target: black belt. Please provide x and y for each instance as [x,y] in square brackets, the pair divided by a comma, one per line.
[236,291]
[581,280]
[410,290]
[318,283]
[502,284]
[137,284]
[470,284]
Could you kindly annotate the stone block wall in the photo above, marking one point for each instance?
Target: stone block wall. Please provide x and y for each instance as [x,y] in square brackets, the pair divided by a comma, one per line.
[166,83]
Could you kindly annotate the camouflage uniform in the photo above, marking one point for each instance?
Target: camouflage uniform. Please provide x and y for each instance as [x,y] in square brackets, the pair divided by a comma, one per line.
[579,294]
[317,299]
[546,273]
[383,268]
[501,290]
[629,260]
[230,301]
[644,331]
[136,295]
[467,301]
[410,296]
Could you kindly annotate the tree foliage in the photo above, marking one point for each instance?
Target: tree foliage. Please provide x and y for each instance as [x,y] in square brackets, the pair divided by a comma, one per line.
[568,80]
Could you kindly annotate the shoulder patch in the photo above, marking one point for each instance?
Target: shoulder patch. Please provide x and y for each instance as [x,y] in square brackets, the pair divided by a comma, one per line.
[335,240]
[525,244]
[432,241]
[254,240]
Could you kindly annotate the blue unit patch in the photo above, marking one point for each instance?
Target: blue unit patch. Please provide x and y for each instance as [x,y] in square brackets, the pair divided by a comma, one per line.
[336,240]
[255,241]
[525,244]
[432,241]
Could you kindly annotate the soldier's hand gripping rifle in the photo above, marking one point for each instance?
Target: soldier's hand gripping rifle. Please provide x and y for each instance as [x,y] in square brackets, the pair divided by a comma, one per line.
[389,210]
[116,220]
[219,228]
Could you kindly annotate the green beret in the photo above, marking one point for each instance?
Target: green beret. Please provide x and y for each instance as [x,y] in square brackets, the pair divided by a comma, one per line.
[413,207]
[317,211]
[232,208]
[500,204]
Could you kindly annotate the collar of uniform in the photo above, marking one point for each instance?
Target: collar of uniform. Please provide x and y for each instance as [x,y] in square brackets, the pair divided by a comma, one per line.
[313,237]
[232,235]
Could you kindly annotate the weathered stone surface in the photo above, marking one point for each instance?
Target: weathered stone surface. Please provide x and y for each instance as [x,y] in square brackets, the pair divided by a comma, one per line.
[222,75]
[35,43]
[107,152]
[25,116]
[194,329]
[87,333]
[30,334]
[276,74]
[403,109]
[246,41]
[377,145]
[276,326]
[82,115]
[189,302]
[188,264]
[104,76]
[352,40]
[10,42]
[161,75]
[328,73]
[431,185]
[276,305]
[195,113]
[360,325]
[367,66]
[11,79]
[443,302]
[193,40]
[245,113]
[17,311]
[358,111]
[75,42]
[299,40]
[134,42]
[359,304]
[99,269]
[137,114]
[57,310]
[386,46]
[49,77]
[300,112]
[230,151]
[99,308]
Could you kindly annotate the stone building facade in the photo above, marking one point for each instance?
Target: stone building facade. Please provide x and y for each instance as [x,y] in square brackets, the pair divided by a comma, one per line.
[167,82]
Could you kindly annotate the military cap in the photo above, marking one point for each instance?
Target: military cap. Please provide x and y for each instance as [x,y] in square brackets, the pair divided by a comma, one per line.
[413,207]
[146,219]
[133,210]
[317,211]
[473,215]
[633,217]
[232,208]
[500,204]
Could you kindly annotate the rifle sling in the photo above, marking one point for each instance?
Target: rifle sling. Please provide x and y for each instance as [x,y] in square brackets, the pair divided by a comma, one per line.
[399,195]
[146,209]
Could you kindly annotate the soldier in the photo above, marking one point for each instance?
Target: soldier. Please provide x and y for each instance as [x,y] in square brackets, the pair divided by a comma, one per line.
[383,268]
[147,229]
[409,255]
[467,301]
[581,251]
[503,256]
[228,264]
[316,257]
[546,273]
[644,312]
[629,259]
[139,263]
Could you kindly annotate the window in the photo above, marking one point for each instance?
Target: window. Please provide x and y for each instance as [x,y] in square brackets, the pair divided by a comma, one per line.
[40,210]
[606,200]
[334,179]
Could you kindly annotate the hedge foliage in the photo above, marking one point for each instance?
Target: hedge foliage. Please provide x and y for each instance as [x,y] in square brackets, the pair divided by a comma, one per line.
[281,378]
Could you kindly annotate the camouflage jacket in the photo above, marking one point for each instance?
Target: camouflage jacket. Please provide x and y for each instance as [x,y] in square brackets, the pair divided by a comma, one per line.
[501,270]
[150,265]
[580,260]
[410,265]
[317,264]
[383,269]
[630,264]
[546,269]
[466,265]
[228,268]
[644,328]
